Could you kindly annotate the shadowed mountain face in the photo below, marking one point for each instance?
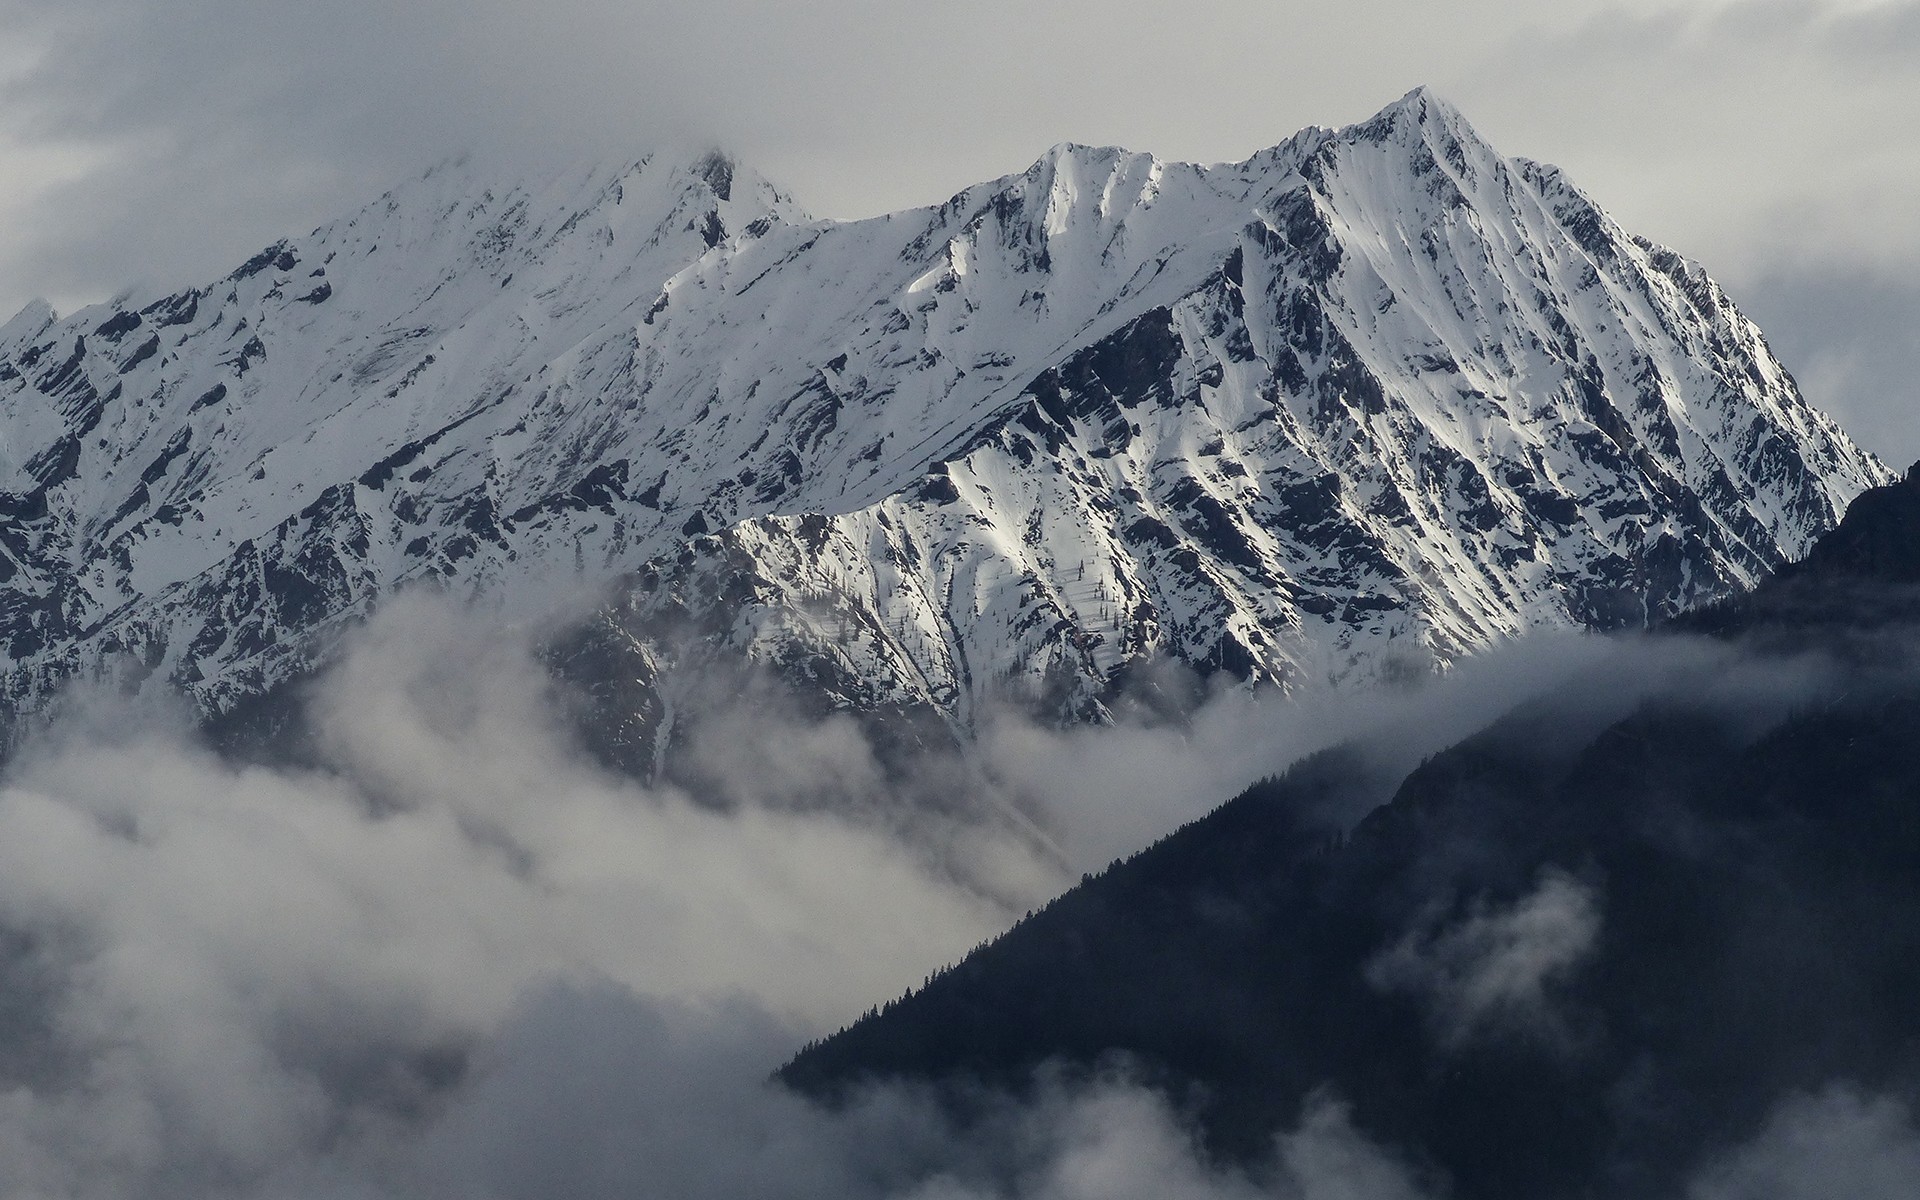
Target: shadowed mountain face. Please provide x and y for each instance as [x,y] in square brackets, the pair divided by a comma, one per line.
[1855,584]
[1583,953]
[1363,403]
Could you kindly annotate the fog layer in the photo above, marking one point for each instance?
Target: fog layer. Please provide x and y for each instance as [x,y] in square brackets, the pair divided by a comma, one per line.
[457,959]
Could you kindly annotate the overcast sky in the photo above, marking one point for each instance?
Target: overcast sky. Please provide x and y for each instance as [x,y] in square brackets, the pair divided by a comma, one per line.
[160,141]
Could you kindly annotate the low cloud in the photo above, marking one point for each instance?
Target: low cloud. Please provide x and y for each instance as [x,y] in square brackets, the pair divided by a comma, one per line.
[214,969]
[1493,971]
[1841,1142]
[454,958]
[1104,793]
[693,1126]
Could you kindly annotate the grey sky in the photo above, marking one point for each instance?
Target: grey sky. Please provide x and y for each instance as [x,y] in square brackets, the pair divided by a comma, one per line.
[1776,140]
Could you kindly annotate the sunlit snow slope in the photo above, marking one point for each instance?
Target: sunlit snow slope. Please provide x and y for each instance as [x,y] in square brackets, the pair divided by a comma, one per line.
[1366,401]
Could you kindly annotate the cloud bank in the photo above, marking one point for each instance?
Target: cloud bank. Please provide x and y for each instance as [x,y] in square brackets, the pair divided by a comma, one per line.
[214,970]
[456,959]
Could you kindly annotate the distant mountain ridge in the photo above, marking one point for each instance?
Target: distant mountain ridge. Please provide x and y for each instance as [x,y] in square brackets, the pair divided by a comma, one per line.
[1366,401]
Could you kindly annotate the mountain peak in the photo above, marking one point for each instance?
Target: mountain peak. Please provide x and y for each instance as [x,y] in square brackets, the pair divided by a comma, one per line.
[679,169]
[1423,124]
[32,320]
[717,168]
[1077,158]
[1423,103]
[1421,114]
[1424,107]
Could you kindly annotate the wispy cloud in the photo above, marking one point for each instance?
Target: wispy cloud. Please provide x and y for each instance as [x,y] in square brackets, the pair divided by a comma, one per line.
[1492,972]
[1841,1142]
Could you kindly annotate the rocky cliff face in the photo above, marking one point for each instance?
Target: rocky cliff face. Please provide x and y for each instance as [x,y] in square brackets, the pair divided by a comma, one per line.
[1365,402]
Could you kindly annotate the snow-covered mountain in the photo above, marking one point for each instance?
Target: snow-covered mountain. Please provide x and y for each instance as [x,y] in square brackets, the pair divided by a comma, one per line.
[1365,401]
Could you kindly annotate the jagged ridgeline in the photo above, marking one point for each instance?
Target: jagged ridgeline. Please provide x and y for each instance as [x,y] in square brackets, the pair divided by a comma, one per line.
[1577,955]
[1362,403]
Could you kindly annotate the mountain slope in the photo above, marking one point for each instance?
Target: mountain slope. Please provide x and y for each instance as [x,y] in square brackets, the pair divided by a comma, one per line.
[206,480]
[1409,397]
[1367,401]
[1576,955]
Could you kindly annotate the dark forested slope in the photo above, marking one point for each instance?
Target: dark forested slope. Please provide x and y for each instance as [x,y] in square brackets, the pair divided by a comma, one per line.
[1573,956]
